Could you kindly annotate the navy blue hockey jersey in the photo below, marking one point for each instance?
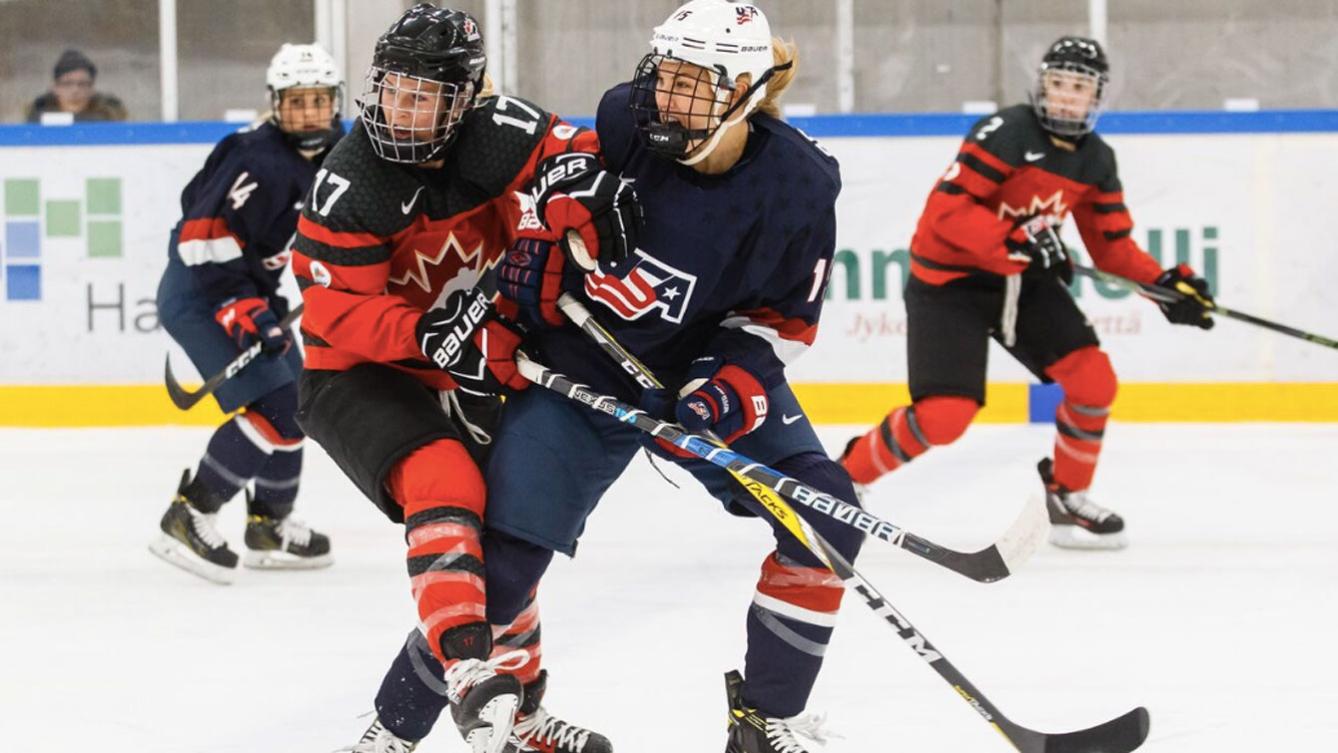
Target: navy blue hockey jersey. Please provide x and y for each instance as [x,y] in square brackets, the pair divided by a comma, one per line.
[732,265]
[238,215]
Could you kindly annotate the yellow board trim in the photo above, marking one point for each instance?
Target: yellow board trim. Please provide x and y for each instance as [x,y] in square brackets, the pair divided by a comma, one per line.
[825,403]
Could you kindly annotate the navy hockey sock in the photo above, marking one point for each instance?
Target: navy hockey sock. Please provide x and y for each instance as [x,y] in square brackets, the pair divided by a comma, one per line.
[277,482]
[413,692]
[230,460]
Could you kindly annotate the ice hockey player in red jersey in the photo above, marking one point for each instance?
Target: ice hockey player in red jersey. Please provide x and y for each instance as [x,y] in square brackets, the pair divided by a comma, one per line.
[219,295]
[987,261]
[405,355]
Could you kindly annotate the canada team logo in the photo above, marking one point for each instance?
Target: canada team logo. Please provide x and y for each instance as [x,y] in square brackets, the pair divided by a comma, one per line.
[651,285]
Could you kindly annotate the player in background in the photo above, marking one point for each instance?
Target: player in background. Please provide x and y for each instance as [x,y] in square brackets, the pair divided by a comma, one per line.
[724,290]
[220,294]
[987,261]
[405,355]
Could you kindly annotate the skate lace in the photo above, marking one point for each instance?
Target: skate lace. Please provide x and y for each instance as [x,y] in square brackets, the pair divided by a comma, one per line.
[293,531]
[466,673]
[543,727]
[205,527]
[783,733]
[1082,506]
[378,739]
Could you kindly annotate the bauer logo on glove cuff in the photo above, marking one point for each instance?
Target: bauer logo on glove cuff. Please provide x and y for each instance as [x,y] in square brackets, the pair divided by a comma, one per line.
[448,352]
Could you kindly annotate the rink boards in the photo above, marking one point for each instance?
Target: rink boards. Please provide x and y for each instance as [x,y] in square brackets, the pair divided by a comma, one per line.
[86,212]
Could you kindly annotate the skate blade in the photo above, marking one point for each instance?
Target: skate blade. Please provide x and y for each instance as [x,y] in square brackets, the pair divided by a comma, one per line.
[1077,537]
[276,560]
[174,552]
[497,717]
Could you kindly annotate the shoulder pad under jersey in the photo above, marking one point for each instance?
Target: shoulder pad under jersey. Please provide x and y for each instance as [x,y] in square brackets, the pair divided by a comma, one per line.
[356,191]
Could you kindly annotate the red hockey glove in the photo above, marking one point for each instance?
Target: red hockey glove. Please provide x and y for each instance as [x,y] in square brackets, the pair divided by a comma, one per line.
[468,340]
[724,398]
[1196,306]
[249,319]
[573,193]
[531,276]
[1036,243]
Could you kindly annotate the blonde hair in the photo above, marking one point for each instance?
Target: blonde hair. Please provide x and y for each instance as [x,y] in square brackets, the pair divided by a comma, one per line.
[782,52]
[488,89]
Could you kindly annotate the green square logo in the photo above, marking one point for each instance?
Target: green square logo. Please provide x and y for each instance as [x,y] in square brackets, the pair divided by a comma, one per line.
[104,238]
[62,218]
[103,196]
[21,197]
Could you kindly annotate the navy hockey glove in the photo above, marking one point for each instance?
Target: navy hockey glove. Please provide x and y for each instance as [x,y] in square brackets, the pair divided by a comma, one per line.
[468,340]
[247,320]
[722,397]
[531,276]
[1037,244]
[572,192]
[1196,306]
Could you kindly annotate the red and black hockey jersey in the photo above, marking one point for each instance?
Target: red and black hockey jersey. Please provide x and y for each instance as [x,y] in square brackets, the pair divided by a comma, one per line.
[1009,169]
[379,243]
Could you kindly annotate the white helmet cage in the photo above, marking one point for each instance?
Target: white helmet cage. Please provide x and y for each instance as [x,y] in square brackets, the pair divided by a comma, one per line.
[724,39]
[305,66]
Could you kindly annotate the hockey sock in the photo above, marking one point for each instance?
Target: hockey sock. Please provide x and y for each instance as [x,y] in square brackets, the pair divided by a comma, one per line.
[521,633]
[1080,422]
[413,692]
[274,418]
[907,433]
[442,493]
[789,625]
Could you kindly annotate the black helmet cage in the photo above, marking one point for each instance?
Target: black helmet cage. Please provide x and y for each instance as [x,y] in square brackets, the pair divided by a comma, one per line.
[1073,59]
[667,135]
[429,51]
[308,140]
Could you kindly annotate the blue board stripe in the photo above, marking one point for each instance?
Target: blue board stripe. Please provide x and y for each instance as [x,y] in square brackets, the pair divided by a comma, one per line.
[825,126]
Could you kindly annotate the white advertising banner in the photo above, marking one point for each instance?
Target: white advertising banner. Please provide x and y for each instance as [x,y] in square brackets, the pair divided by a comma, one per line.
[85,234]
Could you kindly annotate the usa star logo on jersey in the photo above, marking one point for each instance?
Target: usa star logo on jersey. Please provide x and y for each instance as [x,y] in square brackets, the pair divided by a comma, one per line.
[651,285]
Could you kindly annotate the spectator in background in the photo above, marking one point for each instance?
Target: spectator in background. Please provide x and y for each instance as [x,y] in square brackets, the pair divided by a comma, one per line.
[72,92]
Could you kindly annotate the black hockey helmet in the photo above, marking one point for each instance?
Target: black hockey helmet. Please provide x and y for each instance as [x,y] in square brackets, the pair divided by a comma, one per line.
[429,51]
[1071,86]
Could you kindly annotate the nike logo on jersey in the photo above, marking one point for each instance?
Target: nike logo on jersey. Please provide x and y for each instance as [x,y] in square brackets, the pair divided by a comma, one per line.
[1033,156]
[787,420]
[406,206]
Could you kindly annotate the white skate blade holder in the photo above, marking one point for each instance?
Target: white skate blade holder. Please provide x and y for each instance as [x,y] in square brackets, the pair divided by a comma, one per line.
[499,715]
[1074,536]
[174,552]
[277,560]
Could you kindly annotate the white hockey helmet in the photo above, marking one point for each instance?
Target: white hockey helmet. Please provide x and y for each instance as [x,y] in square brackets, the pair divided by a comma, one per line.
[305,66]
[725,38]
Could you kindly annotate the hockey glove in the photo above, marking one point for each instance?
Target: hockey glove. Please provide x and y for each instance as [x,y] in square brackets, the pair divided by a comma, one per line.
[1036,244]
[247,320]
[1196,306]
[572,192]
[722,397]
[468,340]
[531,276]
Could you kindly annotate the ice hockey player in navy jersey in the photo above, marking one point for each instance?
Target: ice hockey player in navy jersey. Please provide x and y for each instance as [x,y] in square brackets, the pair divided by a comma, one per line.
[220,294]
[724,290]
[987,261]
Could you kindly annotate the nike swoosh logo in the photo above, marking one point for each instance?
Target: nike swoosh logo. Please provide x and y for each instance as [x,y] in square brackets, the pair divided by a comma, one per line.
[1033,156]
[787,420]
[406,206]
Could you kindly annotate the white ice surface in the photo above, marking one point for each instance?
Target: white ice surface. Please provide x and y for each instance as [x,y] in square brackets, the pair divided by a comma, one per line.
[1219,618]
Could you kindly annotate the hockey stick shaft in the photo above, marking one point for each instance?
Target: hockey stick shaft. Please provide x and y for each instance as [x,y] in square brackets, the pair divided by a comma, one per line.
[1168,295]
[186,399]
[986,566]
[1120,735]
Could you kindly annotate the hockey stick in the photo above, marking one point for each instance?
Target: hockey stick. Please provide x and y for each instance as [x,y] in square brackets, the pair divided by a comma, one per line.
[1120,735]
[185,399]
[995,562]
[1168,295]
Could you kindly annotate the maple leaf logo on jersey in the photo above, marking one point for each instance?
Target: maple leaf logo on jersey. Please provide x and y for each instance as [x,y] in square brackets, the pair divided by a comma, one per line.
[651,284]
[1053,206]
[418,272]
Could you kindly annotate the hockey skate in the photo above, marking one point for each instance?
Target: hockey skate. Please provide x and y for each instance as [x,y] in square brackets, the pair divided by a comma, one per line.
[750,732]
[378,739]
[1076,521]
[484,702]
[537,730]
[191,541]
[284,544]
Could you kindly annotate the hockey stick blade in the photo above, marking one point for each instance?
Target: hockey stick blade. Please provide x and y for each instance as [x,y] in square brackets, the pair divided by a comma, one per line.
[185,399]
[1119,735]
